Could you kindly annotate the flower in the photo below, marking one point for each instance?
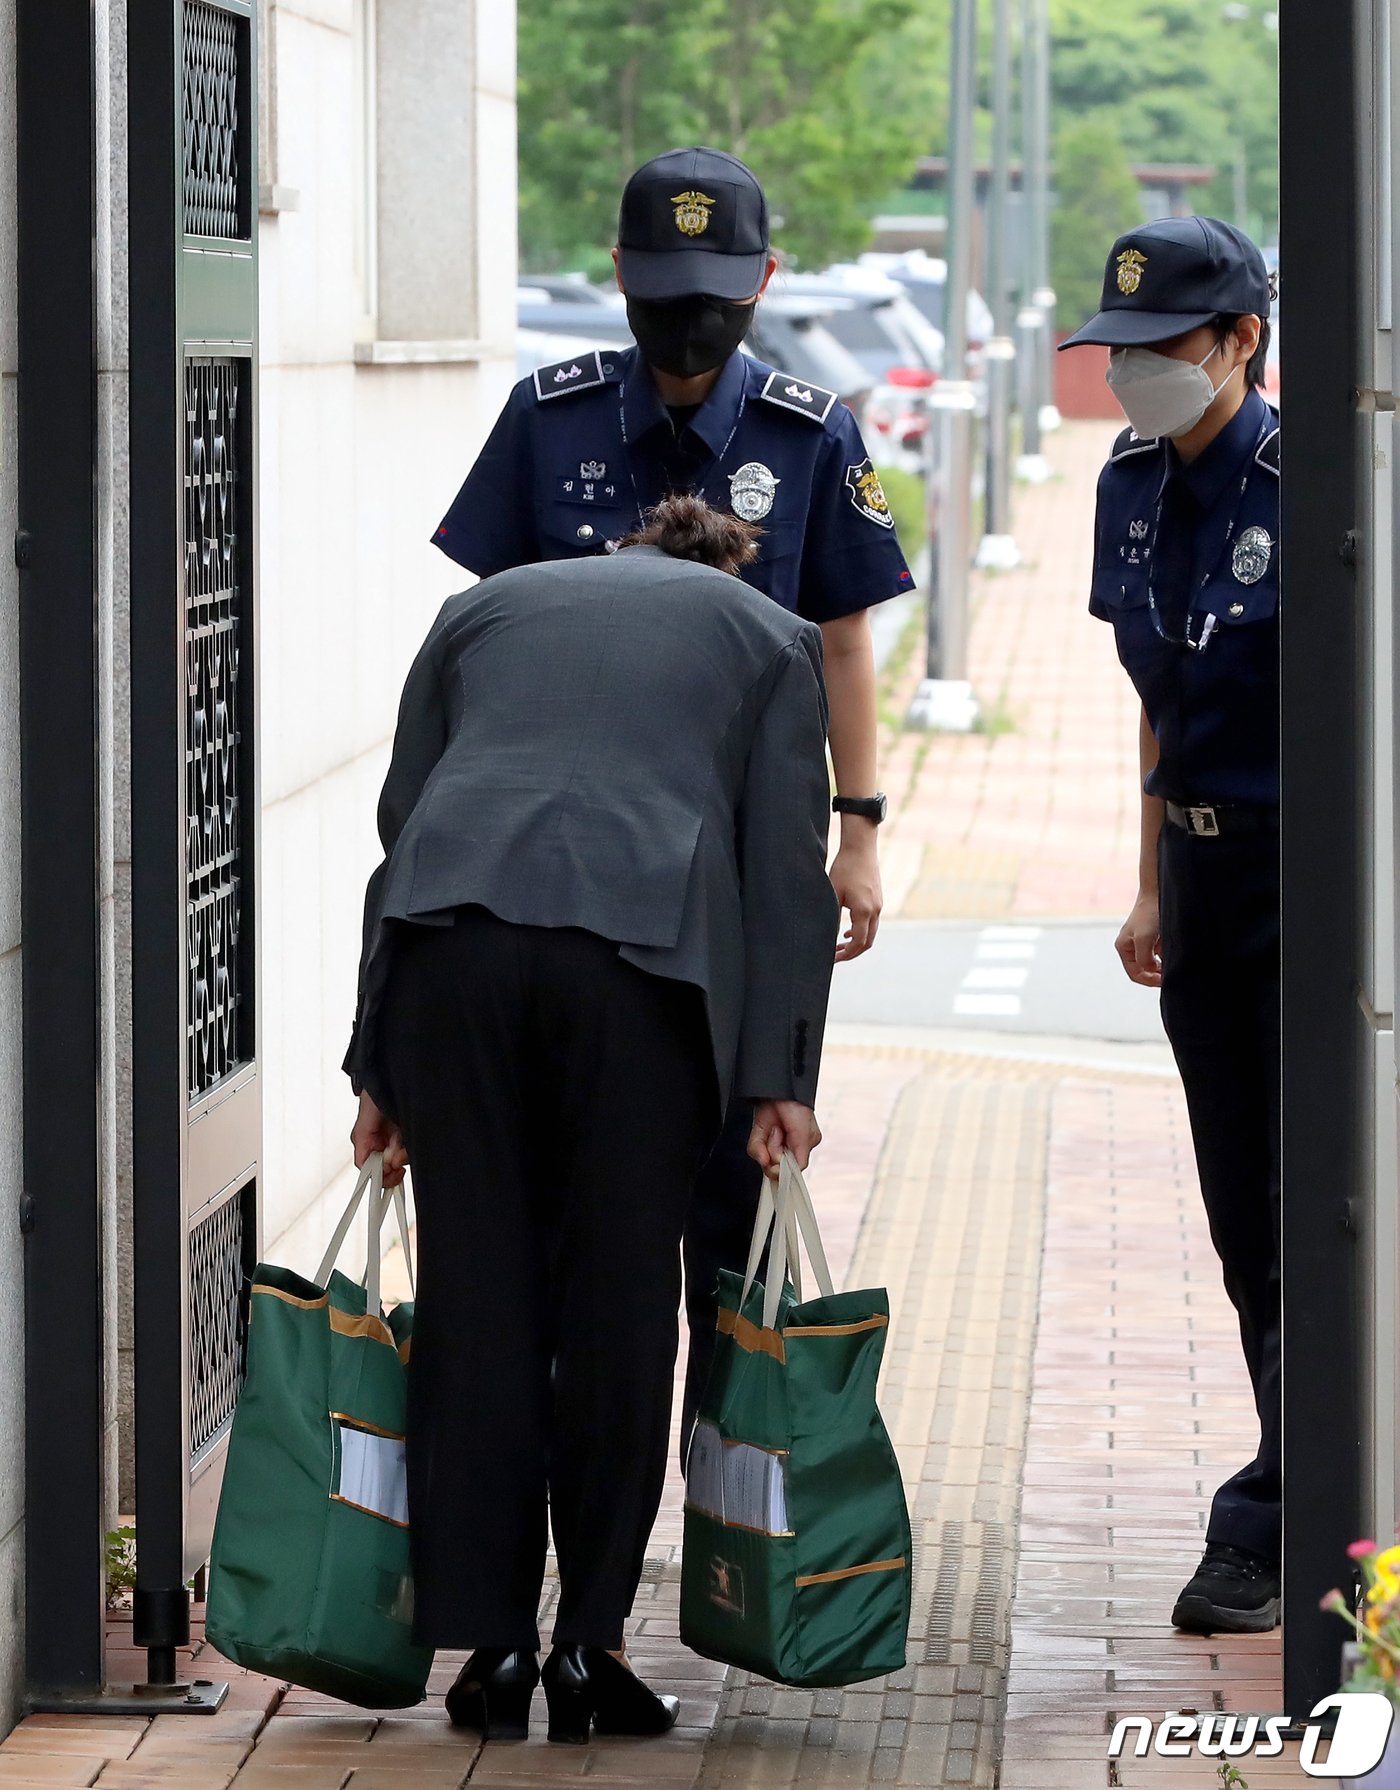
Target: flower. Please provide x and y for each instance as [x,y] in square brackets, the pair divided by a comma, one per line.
[1360,1549]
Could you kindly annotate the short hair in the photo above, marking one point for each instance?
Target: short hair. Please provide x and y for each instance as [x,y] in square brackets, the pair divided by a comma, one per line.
[1226,325]
[687,528]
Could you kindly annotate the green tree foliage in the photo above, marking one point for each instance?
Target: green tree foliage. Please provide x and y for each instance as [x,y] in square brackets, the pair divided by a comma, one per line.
[1177,81]
[831,103]
[1099,200]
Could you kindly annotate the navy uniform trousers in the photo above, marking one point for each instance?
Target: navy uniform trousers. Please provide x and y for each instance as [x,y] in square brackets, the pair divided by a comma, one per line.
[1221,1009]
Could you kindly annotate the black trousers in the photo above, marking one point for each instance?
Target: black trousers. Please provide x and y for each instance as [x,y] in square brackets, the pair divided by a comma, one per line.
[1221,1008]
[717,1235]
[556,1103]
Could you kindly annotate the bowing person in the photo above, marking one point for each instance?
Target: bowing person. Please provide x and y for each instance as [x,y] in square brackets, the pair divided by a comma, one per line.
[603,904]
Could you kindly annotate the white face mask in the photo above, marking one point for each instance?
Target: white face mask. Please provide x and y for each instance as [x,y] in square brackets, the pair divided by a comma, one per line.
[1162,396]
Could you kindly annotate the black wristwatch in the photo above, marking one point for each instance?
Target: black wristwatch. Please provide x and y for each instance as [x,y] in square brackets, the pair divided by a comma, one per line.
[870,807]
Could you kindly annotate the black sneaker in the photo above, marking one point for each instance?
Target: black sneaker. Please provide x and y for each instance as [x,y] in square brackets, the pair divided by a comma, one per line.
[1233,1592]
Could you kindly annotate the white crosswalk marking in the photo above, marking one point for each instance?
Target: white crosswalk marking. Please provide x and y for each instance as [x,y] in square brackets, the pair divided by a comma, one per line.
[1001,964]
[987,1005]
[995,978]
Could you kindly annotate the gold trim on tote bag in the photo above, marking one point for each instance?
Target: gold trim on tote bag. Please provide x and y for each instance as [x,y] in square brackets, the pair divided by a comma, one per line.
[849,1572]
[876,1323]
[749,1337]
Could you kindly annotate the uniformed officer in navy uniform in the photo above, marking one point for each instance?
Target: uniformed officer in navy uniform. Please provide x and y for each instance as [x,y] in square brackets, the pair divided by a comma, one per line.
[1186,570]
[585,446]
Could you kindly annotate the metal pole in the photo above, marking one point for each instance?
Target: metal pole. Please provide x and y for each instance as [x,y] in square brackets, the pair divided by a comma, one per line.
[944,698]
[57,1204]
[1032,467]
[997,550]
[1044,295]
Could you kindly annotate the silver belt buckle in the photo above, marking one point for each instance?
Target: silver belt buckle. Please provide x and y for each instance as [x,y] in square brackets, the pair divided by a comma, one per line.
[1203,823]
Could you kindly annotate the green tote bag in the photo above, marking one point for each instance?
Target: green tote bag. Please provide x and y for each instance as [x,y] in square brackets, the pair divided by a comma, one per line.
[309,1579]
[797,1558]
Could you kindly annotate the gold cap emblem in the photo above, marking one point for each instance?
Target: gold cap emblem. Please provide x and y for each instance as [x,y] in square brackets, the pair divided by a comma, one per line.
[1130,266]
[692,212]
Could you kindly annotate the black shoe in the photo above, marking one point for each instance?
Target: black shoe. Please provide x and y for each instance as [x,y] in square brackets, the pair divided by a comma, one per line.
[584,1685]
[492,1694]
[1233,1592]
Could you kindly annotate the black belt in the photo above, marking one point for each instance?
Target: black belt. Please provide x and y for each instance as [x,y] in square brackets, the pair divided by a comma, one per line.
[1209,821]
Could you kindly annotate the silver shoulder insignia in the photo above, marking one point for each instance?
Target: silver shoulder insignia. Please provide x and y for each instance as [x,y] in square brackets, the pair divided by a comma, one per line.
[566,376]
[795,394]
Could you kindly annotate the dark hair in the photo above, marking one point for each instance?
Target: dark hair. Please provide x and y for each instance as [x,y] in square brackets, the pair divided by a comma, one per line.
[1254,367]
[687,528]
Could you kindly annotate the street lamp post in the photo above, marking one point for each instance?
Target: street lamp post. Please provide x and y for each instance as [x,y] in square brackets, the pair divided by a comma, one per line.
[997,550]
[944,698]
[1043,297]
[1032,467]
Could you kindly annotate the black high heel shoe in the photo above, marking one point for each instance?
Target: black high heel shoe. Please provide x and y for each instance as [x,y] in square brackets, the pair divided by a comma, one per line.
[492,1694]
[586,1685]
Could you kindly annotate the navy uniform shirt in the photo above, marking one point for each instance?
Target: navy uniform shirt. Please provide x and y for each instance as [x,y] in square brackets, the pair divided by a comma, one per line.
[1197,544]
[582,447]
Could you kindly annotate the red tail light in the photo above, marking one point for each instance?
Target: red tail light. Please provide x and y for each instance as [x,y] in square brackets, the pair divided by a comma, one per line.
[915,376]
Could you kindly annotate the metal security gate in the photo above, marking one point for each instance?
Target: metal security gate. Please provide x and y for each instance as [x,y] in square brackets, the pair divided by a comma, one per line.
[196,1097]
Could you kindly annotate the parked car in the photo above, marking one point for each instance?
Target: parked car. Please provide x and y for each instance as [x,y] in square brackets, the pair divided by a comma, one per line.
[874,319]
[925,279]
[565,288]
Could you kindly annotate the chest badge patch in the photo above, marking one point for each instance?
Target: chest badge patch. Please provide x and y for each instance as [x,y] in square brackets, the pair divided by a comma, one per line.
[752,490]
[868,494]
[1253,551]
[593,469]
[1130,265]
[1137,531]
[692,212]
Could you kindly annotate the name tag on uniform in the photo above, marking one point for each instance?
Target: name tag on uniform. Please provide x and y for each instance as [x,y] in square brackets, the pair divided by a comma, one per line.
[573,489]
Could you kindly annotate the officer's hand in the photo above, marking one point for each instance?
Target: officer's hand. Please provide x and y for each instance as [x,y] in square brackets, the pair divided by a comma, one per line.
[1139,943]
[855,876]
[780,1125]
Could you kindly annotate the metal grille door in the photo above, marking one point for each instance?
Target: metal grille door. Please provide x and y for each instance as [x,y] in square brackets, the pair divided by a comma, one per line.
[196,1090]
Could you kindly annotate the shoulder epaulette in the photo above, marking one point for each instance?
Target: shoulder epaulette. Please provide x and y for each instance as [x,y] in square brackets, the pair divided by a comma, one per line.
[564,377]
[791,393]
[1130,443]
[1267,456]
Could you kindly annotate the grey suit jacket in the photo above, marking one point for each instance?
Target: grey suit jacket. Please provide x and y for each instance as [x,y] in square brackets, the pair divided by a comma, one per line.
[634,745]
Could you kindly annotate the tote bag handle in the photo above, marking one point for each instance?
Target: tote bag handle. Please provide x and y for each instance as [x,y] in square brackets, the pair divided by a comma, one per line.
[788,1211]
[370,1188]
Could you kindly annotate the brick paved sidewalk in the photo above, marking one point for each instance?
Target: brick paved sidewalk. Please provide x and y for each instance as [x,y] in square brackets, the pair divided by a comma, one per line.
[1058,1327]
[1037,816]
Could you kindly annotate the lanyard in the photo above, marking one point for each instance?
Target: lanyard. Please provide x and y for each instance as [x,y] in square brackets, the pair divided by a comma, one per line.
[698,486]
[1212,622]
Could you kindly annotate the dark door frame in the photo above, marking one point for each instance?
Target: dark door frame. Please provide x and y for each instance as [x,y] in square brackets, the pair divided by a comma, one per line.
[60,1205]
[1327,1041]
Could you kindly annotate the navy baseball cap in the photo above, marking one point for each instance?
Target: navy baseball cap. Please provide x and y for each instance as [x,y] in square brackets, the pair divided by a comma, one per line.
[1172,276]
[693,221]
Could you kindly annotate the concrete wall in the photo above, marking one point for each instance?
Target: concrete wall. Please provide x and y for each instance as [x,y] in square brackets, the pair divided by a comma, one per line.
[11,1253]
[366,431]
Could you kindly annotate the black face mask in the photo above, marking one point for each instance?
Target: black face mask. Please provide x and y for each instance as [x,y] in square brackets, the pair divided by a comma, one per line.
[686,336]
